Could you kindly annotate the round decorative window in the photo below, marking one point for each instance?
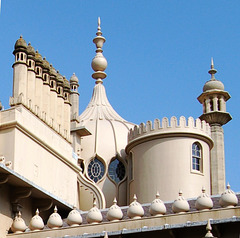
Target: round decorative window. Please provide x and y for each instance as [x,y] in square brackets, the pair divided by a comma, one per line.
[96,170]
[116,170]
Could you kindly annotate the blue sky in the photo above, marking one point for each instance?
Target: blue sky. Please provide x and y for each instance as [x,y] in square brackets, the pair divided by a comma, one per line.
[158,54]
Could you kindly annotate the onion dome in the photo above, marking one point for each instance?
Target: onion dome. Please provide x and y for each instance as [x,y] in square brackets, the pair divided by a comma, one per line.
[213,84]
[36,223]
[228,198]
[74,218]
[38,57]
[180,204]
[52,70]
[18,225]
[157,207]
[108,129]
[30,50]
[94,215]
[66,83]
[204,201]
[20,43]
[74,79]
[209,229]
[59,78]
[55,220]
[135,209]
[114,213]
[46,64]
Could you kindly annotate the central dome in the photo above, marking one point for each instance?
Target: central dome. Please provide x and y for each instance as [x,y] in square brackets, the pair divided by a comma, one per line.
[103,151]
[109,130]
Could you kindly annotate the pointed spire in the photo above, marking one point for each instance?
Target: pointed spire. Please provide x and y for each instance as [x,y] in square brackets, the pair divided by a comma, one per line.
[99,63]
[209,229]
[212,71]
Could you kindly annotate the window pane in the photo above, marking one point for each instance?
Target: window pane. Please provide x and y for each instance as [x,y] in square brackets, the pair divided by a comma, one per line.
[116,170]
[96,170]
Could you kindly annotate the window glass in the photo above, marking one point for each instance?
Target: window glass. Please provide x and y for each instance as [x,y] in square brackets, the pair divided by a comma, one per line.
[116,170]
[96,170]
[196,157]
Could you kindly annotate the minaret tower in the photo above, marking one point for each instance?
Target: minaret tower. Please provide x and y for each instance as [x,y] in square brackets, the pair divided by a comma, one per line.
[74,97]
[214,100]
[20,71]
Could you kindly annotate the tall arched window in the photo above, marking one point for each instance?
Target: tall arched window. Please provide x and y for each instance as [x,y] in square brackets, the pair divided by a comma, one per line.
[196,156]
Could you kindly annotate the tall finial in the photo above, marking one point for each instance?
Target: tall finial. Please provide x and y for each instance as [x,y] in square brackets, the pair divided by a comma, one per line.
[209,229]
[99,63]
[212,71]
[99,25]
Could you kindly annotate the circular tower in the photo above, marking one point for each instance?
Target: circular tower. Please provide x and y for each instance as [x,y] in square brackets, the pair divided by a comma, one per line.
[214,100]
[168,156]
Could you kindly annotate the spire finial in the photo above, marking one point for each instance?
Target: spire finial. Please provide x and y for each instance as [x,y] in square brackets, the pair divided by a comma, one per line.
[209,229]
[99,23]
[99,63]
[212,71]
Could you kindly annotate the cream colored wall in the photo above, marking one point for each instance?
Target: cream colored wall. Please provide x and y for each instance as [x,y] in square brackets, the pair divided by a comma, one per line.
[164,165]
[39,154]
[109,140]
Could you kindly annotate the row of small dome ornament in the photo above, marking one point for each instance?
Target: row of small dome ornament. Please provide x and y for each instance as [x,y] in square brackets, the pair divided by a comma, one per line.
[135,211]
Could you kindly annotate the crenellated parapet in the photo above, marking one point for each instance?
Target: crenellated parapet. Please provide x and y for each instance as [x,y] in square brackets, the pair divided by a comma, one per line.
[166,128]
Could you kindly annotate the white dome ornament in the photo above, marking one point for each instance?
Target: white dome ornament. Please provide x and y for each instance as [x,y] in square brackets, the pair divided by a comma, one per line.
[18,225]
[135,210]
[228,198]
[55,220]
[204,201]
[114,213]
[94,215]
[74,218]
[36,223]
[180,205]
[157,207]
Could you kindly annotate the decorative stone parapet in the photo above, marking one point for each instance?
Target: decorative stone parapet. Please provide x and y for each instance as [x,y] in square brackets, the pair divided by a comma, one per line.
[166,128]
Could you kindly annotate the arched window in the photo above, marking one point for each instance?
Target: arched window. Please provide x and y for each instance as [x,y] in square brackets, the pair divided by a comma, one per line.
[196,156]
[96,169]
[116,170]
[211,105]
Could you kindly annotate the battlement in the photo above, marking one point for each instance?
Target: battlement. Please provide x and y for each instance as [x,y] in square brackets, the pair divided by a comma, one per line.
[174,126]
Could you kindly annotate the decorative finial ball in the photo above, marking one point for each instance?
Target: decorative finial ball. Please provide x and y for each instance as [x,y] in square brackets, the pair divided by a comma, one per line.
[55,220]
[36,223]
[99,62]
[74,218]
[18,225]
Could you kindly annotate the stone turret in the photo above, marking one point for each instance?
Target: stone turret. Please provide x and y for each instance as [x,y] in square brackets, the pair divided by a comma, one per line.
[165,150]
[74,97]
[46,87]
[31,78]
[39,83]
[20,72]
[214,99]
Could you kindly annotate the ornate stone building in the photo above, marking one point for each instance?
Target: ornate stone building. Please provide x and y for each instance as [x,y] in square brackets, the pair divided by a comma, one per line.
[58,168]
